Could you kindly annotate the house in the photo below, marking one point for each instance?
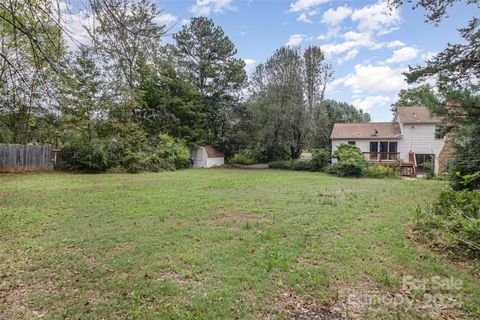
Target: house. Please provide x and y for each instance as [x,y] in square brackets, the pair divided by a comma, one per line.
[412,137]
[207,156]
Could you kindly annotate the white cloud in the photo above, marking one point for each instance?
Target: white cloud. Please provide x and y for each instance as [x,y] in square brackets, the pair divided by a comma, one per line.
[336,48]
[165,19]
[332,33]
[403,54]
[303,5]
[205,7]
[353,40]
[335,16]
[304,18]
[295,40]
[376,17]
[429,55]
[361,37]
[74,25]
[249,64]
[349,56]
[396,43]
[367,103]
[369,78]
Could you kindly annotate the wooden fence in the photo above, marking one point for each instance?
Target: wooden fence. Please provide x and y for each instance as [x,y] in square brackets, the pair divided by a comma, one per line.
[19,157]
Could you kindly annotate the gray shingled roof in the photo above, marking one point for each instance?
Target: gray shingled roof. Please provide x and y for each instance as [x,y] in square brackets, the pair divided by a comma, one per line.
[371,130]
[415,115]
[212,152]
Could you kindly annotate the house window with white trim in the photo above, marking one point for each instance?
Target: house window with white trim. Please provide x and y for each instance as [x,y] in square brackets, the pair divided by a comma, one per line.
[383,150]
[352,142]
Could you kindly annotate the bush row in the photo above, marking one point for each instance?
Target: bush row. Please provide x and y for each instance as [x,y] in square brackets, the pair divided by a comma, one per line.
[100,155]
[318,162]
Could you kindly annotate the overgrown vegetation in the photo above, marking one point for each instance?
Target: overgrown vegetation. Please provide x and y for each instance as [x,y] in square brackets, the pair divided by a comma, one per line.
[351,162]
[380,171]
[318,162]
[158,153]
[452,223]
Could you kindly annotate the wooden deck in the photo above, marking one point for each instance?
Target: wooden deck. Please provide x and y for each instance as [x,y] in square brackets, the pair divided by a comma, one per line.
[407,168]
[382,156]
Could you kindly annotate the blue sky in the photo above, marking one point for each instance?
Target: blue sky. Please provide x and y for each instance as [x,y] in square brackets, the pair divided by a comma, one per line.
[368,46]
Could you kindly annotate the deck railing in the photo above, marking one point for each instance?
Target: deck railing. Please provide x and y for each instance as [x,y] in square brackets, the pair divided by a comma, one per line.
[381,156]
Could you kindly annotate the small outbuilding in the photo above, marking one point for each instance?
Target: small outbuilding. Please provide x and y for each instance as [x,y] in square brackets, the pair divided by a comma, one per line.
[207,156]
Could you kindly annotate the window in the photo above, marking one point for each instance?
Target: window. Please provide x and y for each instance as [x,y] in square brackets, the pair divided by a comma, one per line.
[383,150]
[352,142]
[425,162]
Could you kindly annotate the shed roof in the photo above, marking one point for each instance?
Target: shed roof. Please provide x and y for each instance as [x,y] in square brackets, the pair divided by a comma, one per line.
[371,130]
[416,115]
[212,152]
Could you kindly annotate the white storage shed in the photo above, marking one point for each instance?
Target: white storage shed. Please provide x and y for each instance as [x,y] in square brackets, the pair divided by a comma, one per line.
[207,156]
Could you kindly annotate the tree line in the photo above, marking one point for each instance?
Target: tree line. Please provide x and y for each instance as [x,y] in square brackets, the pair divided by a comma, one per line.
[129,86]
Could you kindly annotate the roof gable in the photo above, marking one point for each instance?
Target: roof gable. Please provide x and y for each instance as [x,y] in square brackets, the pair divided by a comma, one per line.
[371,130]
[212,152]
[415,115]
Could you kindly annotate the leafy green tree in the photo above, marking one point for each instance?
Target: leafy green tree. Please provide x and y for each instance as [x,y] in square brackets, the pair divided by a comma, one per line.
[207,57]
[30,44]
[171,105]
[340,112]
[278,98]
[84,100]
[457,69]
[317,75]
[419,96]
[128,38]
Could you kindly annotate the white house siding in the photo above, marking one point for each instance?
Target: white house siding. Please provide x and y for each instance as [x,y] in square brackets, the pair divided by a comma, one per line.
[363,144]
[215,162]
[420,139]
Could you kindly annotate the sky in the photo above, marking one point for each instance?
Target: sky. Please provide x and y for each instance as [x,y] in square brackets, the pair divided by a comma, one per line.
[368,44]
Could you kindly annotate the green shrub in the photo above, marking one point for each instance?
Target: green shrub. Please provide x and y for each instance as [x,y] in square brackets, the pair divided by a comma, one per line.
[304,165]
[350,169]
[347,152]
[466,161]
[351,162]
[159,153]
[281,164]
[320,158]
[167,153]
[244,157]
[382,171]
[429,168]
[135,167]
[331,169]
[452,223]
[91,156]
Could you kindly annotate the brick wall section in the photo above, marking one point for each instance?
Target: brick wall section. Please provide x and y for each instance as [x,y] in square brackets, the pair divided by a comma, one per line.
[447,153]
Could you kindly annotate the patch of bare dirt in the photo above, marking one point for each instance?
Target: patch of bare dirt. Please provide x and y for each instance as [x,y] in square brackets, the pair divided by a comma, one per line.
[174,276]
[297,307]
[357,300]
[241,218]
[16,297]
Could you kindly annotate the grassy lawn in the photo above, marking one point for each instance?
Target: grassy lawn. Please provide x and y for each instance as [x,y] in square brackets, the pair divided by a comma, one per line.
[215,244]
